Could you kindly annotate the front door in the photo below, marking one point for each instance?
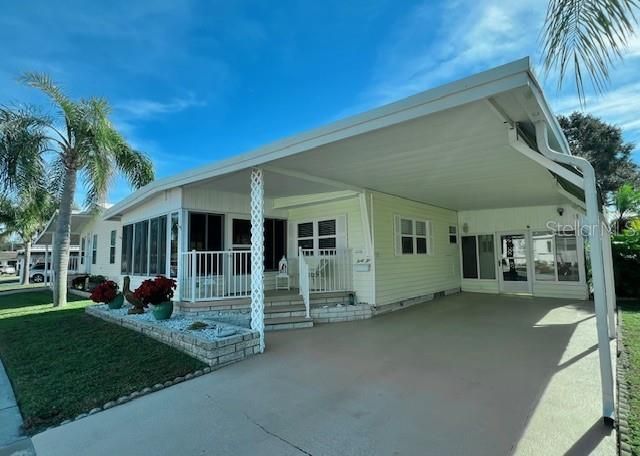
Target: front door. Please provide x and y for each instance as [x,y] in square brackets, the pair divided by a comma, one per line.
[514,263]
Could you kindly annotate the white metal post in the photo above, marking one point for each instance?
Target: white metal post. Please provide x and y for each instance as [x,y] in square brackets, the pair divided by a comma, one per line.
[257,253]
[193,276]
[46,265]
[609,278]
[594,229]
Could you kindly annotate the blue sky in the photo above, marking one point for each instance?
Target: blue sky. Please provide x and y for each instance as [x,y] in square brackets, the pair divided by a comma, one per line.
[192,82]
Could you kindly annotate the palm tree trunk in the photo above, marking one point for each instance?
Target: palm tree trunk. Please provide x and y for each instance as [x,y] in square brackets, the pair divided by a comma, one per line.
[24,277]
[63,239]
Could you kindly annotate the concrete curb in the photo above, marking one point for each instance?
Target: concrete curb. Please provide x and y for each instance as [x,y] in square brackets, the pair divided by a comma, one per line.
[136,394]
[12,436]
[624,433]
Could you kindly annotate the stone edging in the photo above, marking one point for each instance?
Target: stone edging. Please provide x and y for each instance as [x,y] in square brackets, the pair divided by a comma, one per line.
[623,431]
[136,394]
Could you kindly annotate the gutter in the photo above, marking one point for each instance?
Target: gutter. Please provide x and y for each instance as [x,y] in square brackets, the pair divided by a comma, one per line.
[593,229]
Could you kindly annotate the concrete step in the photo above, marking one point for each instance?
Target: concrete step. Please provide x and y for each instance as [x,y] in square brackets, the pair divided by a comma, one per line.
[281,323]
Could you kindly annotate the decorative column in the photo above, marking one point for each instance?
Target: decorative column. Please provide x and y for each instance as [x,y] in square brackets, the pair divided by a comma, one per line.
[257,253]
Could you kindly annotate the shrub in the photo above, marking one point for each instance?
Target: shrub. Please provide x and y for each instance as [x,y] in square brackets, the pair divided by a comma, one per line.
[626,264]
[105,292]
[155,291]
[197,326]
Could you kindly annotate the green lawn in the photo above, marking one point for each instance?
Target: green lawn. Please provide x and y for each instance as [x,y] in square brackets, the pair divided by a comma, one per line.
[13,283]
[63,362]
[631,340]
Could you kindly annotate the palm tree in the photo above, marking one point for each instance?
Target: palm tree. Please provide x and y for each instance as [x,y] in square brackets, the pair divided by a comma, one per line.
[588,36]
[626,200]
[25,216]
[85,145]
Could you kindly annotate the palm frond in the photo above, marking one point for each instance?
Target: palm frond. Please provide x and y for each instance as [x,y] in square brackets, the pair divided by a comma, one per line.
[44,83]
[588,36]
[23,140]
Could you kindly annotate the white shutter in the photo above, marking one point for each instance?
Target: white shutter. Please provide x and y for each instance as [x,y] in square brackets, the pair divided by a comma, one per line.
[429,237]
[396,235]
[292,239]
[341,232]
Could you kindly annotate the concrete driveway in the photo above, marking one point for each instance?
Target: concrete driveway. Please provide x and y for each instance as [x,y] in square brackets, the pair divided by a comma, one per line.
[467,374]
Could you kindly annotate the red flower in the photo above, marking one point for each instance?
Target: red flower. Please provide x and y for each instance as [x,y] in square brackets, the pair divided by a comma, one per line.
[105,292]
[155,291]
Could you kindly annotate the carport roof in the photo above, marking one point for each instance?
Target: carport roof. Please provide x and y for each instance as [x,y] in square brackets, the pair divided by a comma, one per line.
[447,146]
[78,220]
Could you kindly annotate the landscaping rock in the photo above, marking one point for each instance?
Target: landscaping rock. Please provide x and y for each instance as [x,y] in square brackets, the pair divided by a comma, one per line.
[93,411]
[108,405]
[134,395]
[65,422]
[122,399]
[82,415]
[157,386]
[146,390]
[206,370]
[198,373]
[168,383]
[178,380]
[188,376]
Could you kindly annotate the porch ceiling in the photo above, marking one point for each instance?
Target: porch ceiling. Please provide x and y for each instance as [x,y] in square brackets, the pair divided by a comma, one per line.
[459,159]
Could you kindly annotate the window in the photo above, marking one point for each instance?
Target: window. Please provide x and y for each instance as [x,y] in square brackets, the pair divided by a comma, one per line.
[453,234]
[275,243]
[158,245]
[321,234]
[478,257]
[94,249]
[306,235]
[144,247]
[126,258]
[412,236]
[555,256]
[82,242]
[112,247]
[173,261]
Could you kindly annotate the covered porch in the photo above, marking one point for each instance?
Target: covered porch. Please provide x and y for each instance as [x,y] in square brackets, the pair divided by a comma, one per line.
[403,174]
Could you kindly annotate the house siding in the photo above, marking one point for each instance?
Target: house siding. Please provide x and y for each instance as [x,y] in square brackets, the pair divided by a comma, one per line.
[350,208]
[103,230]
[401,277]
[526,219]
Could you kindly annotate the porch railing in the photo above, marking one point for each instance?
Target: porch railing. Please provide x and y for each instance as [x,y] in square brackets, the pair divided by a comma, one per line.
[73,264]
[327,269]
[208,276]
[303,281]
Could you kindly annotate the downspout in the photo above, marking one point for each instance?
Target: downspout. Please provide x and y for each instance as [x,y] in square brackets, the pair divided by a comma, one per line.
[597,263]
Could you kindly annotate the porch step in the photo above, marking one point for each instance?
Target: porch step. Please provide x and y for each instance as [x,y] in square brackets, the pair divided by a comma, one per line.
[281,323]
[298,310]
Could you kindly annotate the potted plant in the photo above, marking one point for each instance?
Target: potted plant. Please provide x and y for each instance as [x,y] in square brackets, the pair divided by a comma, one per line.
[107,292]
[157,292]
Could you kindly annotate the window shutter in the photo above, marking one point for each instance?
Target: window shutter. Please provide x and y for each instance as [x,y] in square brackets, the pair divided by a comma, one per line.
[429,237]
[341,232]
[396,235]
[292,247]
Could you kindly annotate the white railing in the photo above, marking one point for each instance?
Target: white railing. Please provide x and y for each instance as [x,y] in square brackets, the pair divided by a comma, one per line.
[208,276]
[73,263]
[328,269]
[303,274]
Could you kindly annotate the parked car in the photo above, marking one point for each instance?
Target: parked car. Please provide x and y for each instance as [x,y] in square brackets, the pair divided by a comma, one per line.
[8,270]
[36,273]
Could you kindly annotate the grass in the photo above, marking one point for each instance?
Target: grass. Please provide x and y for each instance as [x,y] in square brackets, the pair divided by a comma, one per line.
[631,340]
[13,283]
[63,362]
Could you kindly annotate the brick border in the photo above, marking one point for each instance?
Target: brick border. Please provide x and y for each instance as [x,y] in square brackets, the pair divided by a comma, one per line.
[216,353]
[622,423]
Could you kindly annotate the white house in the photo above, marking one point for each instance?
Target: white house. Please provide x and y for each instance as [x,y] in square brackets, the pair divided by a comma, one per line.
[469,186]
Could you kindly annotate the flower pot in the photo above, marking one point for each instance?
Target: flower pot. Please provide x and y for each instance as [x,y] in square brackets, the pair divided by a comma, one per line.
[117,302]
[163,310]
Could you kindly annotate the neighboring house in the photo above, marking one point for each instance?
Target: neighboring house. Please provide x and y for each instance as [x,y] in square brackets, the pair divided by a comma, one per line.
[451,189]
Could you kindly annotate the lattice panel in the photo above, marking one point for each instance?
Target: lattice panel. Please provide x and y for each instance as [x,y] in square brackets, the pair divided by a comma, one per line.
[257,253]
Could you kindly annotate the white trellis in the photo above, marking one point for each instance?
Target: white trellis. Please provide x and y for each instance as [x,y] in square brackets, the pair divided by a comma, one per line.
[257,253]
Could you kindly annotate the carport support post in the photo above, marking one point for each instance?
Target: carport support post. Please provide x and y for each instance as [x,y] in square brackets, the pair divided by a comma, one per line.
[46,265]
[257,253]
[609,278]
[594,229]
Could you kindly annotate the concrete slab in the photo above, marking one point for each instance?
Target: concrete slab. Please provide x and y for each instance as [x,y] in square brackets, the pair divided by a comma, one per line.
[10,417]
[465,374]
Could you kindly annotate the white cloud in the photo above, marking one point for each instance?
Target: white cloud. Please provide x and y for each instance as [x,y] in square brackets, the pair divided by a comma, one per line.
[435,45]
[145,108]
